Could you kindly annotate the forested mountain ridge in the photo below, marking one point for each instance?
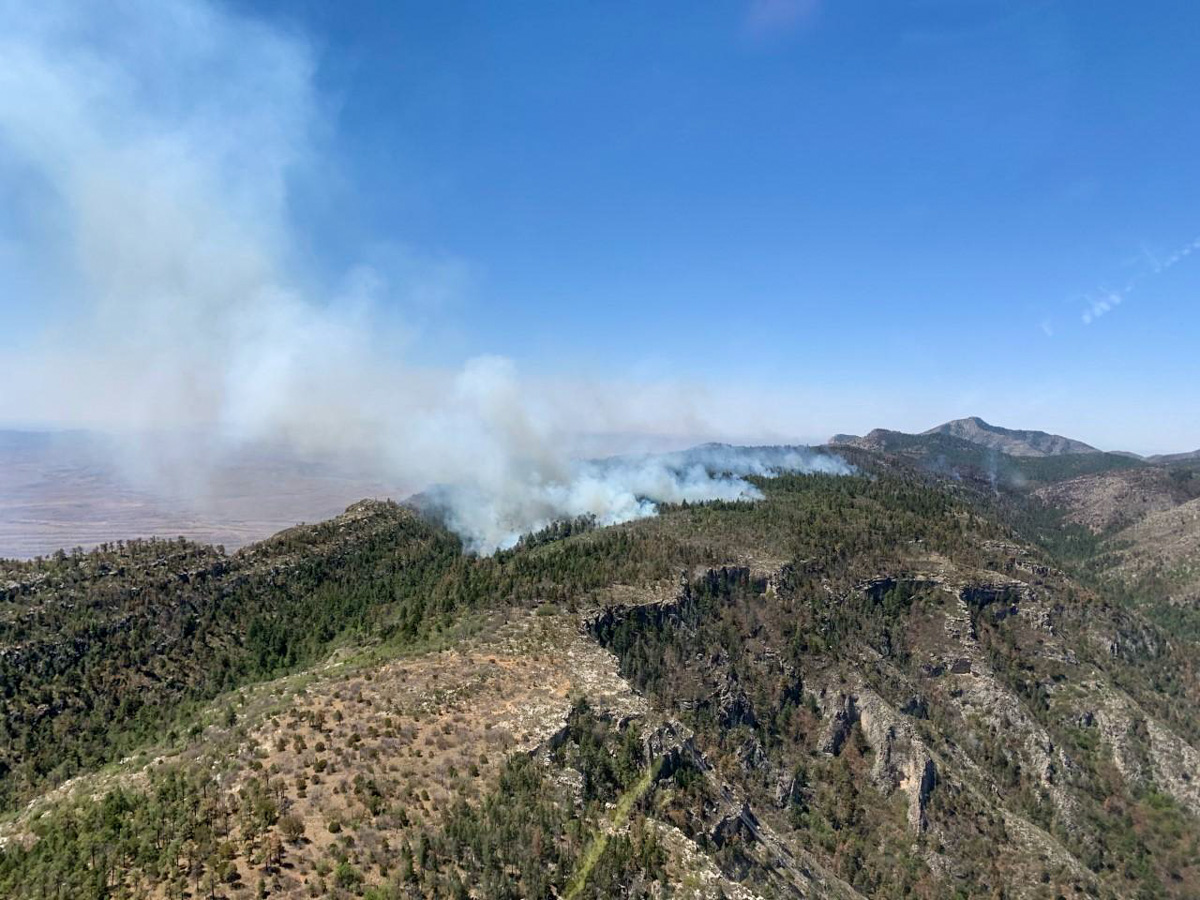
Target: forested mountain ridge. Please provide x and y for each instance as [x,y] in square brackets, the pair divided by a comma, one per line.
[1017,443]
[909,682]
[96,647]
[1014,442]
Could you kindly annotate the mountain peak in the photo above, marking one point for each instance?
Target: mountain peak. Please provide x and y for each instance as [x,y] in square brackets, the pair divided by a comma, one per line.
[1014,442]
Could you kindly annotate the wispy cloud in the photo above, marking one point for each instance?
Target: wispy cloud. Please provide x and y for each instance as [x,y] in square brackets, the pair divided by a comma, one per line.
[1100,304]
[1104,300]
[1178,256]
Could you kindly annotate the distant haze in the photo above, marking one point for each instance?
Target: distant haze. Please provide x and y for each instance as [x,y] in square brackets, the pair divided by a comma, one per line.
[67,489]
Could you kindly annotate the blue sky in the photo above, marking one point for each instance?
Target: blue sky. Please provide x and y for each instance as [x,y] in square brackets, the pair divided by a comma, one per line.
[888,213]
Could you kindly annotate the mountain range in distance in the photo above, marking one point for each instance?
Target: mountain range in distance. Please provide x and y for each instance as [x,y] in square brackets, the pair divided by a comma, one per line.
[1010,441]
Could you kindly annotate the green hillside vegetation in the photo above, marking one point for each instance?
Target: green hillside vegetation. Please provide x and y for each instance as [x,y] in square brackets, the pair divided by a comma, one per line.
[955,457]
[102,647]
[916,684]
[1048,469]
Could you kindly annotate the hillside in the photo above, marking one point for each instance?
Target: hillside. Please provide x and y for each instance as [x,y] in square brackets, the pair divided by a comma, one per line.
[104,647]
[898,683]
[1160,555]
[1122,497]
[1167,458]
[958,458]
[1010,441]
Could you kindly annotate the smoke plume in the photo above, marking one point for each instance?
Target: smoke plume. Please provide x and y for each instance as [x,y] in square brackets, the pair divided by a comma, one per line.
[152,146]
[618,489]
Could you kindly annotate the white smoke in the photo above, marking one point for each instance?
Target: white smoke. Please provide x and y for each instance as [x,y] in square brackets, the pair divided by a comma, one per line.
[620,489]
[153,144]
